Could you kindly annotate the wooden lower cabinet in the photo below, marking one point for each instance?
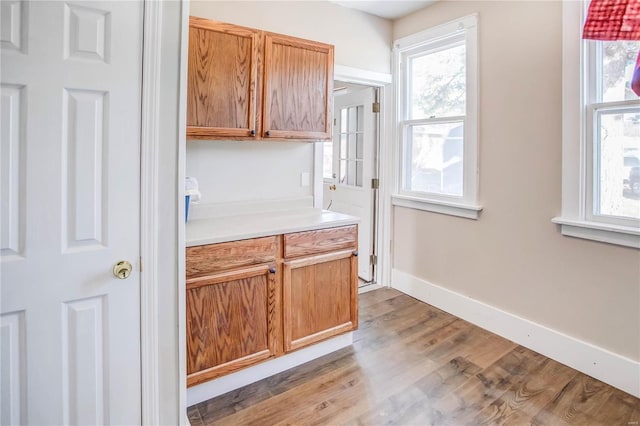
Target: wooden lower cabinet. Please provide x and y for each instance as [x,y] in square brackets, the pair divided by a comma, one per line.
[252,300]
[320,296]
[231,322]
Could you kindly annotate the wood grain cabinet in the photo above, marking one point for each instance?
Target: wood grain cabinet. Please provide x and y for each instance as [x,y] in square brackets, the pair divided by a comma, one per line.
[247,84]
[232,304]
[222,81]
[320,285]
[252,300]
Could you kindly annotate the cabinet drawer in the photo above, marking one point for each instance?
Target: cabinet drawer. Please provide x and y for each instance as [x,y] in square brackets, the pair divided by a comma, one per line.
[202,260]
[320,241]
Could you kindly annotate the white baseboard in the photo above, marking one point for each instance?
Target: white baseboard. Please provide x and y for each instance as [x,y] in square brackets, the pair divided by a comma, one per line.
[616,370]
[224,384]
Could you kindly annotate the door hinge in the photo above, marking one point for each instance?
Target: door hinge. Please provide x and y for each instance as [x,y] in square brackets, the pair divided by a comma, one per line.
[373,259]
[334,122]
[375,107]
[140,263]
[375,183]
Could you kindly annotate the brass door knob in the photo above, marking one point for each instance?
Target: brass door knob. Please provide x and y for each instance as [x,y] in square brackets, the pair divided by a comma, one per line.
[332,187]
[122,269]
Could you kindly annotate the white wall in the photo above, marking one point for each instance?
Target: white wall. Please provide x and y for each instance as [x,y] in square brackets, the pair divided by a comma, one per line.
[239,171]
[361,40]
[513,257]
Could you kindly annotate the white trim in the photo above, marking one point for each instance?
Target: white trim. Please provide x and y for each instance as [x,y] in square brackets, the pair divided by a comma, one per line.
[149,242]
[445,30]
[360,76]
[181,171]
[224,384]
[369,287]
[385,160]
[599,231]
[469,211]
[576,152]
[616,370]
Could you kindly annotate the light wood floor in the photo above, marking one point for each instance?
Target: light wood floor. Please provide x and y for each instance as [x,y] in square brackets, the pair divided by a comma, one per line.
[412,364]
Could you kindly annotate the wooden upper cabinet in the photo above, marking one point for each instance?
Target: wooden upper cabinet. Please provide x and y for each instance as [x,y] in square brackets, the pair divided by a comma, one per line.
[298,88]
[222,80]
[247,84]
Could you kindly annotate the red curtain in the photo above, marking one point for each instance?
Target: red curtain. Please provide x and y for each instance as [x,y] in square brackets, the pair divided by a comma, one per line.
[613,20]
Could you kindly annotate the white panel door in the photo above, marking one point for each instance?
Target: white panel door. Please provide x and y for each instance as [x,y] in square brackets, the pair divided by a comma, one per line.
[70,165]
[348,188]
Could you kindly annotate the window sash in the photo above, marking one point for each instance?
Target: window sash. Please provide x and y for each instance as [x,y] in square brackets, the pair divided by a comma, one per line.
[407,160]
[430,47]
[593,167]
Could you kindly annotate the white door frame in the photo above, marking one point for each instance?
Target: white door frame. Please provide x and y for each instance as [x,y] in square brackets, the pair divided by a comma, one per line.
[385,150]
[152,144]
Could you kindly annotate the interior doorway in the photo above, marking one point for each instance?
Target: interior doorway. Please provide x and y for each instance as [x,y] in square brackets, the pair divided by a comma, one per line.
[350,167]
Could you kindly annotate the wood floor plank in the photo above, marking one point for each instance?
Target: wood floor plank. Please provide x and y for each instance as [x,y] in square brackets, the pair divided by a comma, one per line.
[195,419]
[528,396]
[579,402]
[413,364]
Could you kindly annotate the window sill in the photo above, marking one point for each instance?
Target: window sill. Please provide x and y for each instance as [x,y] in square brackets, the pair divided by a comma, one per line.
[596,231]
[467,211]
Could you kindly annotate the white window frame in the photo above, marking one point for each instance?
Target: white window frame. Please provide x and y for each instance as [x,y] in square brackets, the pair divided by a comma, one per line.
[464,30]
[578,84]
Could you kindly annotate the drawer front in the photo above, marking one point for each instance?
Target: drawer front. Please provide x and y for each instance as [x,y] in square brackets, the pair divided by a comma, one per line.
[203,260]
[320,241]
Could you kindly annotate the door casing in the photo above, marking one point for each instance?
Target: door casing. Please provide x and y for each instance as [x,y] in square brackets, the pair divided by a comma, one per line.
[384,165]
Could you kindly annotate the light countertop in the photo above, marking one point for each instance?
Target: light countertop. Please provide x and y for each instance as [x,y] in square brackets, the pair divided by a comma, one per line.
[239,227]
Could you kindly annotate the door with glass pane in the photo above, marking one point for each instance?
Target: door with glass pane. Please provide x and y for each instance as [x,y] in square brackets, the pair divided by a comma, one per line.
[349,167]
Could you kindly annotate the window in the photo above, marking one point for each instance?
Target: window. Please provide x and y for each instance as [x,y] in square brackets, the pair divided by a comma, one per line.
[601,136]
[437,114]
[349,140]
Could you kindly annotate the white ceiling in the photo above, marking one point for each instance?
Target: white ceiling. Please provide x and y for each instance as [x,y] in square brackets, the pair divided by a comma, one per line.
[390,9]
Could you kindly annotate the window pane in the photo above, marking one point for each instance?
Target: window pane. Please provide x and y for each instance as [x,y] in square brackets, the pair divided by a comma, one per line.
[343,171]
[618,61]
[343,120]
[351,173]
[434,158]
[438,84]
[353,119]
[352,146]
[359,174]
[360,146]
[327,160]
[618,164]
[343,146]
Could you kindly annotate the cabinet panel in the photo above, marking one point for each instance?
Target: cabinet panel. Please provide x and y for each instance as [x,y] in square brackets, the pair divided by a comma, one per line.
[319,298]
[298,90]
[320,241]
[202,260]
[231,322]
[222,79]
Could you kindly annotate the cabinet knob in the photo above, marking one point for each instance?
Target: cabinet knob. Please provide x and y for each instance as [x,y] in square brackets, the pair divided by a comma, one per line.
[272,270]
[268,133]
[355,253]
[253,133]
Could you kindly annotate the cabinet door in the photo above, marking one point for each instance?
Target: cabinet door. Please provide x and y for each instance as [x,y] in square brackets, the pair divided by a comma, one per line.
[222,80]
[298,93]
[231,322]
[320,298]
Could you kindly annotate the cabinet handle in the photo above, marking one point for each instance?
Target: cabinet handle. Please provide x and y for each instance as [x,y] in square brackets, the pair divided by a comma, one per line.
[253,133]
[272,270]
[268,133]
[355,253]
